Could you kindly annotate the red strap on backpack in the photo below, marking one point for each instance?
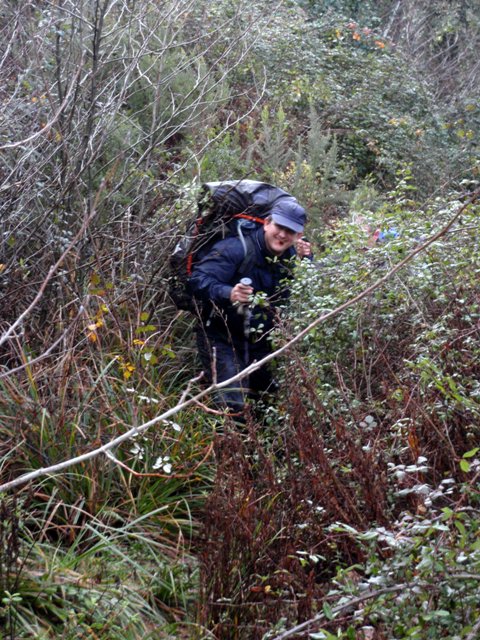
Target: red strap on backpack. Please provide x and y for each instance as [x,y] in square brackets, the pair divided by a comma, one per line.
[245,216]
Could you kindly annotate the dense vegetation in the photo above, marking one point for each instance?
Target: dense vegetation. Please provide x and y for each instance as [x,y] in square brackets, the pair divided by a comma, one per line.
[349,508]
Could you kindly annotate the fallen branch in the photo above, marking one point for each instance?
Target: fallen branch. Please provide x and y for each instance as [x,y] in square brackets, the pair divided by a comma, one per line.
[184,403]
[347,605]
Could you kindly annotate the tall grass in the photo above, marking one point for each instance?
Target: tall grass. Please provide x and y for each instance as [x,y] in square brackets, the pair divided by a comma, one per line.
[104,549]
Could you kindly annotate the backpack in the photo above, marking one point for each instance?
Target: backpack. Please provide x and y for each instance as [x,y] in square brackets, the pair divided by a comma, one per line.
[227,208]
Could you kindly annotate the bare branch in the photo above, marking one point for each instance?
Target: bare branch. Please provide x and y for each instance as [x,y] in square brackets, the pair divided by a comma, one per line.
[50,123]
[53,269]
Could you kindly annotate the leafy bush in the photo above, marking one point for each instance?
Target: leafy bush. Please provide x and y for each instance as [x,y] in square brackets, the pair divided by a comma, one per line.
[365,91]
[423,583]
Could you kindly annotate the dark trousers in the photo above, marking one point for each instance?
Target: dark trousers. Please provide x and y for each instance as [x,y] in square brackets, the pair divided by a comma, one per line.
[223,358]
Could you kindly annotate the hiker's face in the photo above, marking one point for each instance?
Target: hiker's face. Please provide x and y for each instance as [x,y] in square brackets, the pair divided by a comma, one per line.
[278,239]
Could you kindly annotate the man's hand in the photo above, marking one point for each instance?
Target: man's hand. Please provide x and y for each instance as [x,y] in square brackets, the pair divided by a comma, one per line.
[303,248]
[241,293]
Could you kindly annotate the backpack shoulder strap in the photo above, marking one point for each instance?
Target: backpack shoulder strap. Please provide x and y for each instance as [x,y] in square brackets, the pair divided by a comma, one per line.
[250,257]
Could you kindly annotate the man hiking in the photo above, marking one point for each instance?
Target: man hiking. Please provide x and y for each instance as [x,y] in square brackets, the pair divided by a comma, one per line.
[232,334]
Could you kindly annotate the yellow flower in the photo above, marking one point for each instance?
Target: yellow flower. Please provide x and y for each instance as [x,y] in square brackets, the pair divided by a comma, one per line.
[128,369]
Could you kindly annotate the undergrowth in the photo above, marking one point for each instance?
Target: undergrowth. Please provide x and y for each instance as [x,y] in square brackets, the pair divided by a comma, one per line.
[104,548]
[350,509]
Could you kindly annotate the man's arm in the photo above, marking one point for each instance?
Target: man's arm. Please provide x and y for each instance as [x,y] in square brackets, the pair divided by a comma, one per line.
[212,277]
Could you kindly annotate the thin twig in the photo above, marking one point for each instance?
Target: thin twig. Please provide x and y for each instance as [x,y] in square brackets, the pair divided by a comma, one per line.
[44,354]
[48,125]
[139,474]
[88,218]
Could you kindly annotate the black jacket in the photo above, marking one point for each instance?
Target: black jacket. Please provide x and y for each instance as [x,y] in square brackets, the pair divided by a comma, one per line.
[217,273]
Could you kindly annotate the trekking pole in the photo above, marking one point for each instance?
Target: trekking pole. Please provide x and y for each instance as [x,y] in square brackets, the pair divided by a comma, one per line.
[245,310]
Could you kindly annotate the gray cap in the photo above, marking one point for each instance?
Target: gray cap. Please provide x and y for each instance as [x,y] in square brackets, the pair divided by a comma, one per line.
[288,213]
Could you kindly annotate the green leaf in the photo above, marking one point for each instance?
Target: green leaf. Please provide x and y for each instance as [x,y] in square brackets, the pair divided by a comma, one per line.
[351,633]
[322,635]
[327,610]
[148,328]
[471,453]
[464,466]
[168,351]
[460,526]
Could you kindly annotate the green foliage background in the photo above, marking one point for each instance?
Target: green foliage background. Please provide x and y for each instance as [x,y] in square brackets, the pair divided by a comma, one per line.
[360,485]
